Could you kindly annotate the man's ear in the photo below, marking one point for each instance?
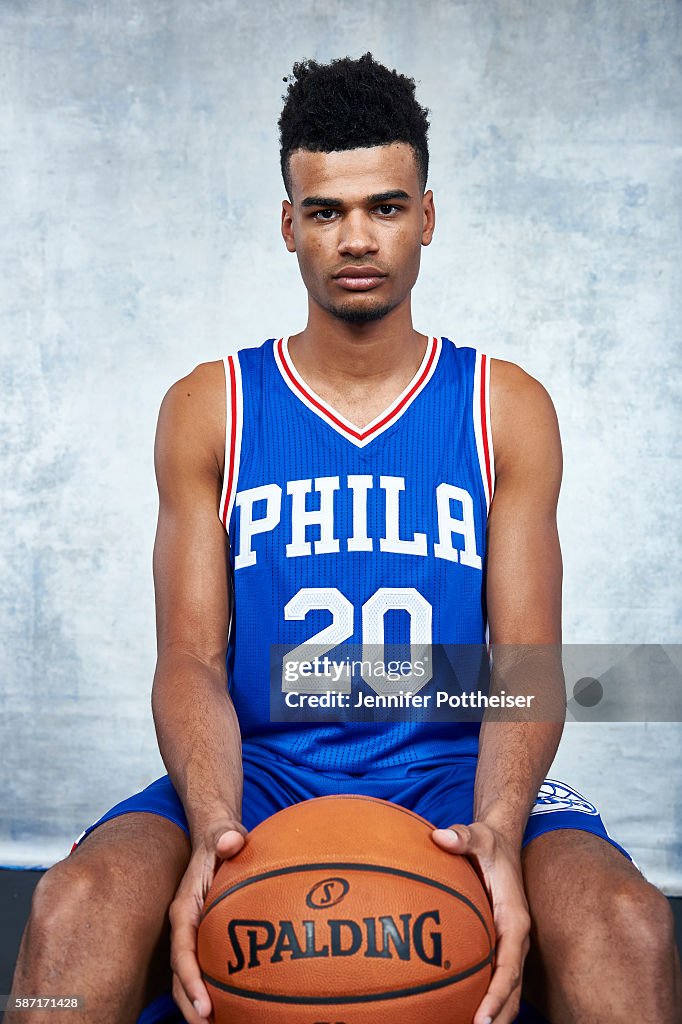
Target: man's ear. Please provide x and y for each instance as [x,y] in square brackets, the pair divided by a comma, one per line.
[288,225]
[429,222]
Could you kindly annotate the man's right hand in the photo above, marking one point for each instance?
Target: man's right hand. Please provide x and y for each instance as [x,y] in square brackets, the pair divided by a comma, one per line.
[219,842]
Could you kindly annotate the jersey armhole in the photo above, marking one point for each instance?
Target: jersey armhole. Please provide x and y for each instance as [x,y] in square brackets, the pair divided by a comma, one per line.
[233,437]
[484,445]
[482,425]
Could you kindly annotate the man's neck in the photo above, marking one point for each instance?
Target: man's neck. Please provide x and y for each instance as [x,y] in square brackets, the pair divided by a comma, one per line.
[337,353]
[358,369]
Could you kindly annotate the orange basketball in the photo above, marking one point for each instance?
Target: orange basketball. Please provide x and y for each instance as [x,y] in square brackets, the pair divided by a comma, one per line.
[342,909]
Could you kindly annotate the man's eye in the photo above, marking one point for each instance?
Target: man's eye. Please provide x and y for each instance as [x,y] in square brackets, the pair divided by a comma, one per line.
[386,209]
[324,214]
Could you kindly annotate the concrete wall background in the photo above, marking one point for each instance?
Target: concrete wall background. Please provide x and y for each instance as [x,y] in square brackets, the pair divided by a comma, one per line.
[139,231]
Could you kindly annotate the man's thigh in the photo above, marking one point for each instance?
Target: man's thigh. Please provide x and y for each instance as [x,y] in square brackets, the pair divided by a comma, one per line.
[117,883]
[142,857]
[594,917]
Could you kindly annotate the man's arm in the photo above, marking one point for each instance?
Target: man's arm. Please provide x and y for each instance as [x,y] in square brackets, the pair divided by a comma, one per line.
[195,720]
[523,586]
[523,591]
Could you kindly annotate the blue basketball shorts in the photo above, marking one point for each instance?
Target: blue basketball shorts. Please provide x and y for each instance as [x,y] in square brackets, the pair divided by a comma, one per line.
[441,794]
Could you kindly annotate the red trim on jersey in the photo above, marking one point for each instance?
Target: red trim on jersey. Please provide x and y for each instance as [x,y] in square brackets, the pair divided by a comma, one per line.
[359,435]
[233,437]
[484,427]
[74,847]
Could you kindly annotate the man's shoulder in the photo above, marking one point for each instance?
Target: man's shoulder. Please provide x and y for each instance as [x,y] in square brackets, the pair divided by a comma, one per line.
[203,380]
[513,382]
[521,409]
[208,378]
[516,393]
[192,412]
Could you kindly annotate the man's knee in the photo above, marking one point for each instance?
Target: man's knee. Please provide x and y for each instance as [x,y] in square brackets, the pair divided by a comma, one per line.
[643,922]
[62,893]
[126,871]
[630,924]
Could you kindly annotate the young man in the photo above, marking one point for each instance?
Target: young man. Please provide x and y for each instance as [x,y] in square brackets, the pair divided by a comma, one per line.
[357,470]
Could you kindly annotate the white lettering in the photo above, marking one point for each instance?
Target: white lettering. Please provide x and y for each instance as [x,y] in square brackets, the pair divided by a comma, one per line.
[248,526]
[359,541]
[302,518]
[354,530]
[447,525]
[393,485]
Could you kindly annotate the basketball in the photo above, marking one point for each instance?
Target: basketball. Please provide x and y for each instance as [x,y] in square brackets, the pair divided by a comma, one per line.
[342,909]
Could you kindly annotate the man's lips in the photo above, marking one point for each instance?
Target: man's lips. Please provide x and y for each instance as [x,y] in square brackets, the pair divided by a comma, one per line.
[359,279]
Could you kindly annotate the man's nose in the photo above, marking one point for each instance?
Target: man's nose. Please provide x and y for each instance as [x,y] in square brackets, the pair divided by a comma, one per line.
[358,235]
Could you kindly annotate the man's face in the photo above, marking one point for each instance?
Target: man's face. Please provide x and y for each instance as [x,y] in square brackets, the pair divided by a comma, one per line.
[357,222]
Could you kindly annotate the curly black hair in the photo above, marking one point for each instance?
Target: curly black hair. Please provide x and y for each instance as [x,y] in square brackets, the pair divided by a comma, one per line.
[350,104]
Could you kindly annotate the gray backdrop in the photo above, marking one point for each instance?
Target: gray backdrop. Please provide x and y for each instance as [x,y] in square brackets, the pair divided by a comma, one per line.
[139,235]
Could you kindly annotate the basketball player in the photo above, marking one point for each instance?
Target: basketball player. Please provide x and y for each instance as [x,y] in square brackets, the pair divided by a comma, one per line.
[368,477]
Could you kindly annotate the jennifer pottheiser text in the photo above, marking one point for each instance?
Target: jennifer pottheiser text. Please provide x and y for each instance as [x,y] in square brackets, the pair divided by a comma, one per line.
[406,699]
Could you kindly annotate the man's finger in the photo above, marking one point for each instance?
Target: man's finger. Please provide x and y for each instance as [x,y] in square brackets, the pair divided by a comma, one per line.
[188,1011]
[183,956]
[504,985]
[456,839]
[192,987]
[229,844]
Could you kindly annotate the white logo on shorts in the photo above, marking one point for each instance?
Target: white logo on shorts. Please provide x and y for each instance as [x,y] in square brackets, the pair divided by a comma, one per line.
[557,796]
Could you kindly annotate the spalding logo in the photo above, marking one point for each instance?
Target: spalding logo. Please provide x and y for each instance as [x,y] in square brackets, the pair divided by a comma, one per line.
[253,941]
[327,893]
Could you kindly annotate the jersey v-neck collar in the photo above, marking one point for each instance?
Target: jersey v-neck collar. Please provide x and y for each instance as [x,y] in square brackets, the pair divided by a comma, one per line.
[383,421]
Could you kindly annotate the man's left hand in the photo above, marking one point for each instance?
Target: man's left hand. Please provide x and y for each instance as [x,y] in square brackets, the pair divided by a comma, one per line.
[499,867]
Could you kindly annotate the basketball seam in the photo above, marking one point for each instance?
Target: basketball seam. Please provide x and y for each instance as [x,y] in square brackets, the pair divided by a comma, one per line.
[345,866]
[271,997]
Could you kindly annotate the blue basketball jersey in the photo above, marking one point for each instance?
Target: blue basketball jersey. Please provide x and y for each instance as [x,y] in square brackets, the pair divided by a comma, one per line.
[340,534]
